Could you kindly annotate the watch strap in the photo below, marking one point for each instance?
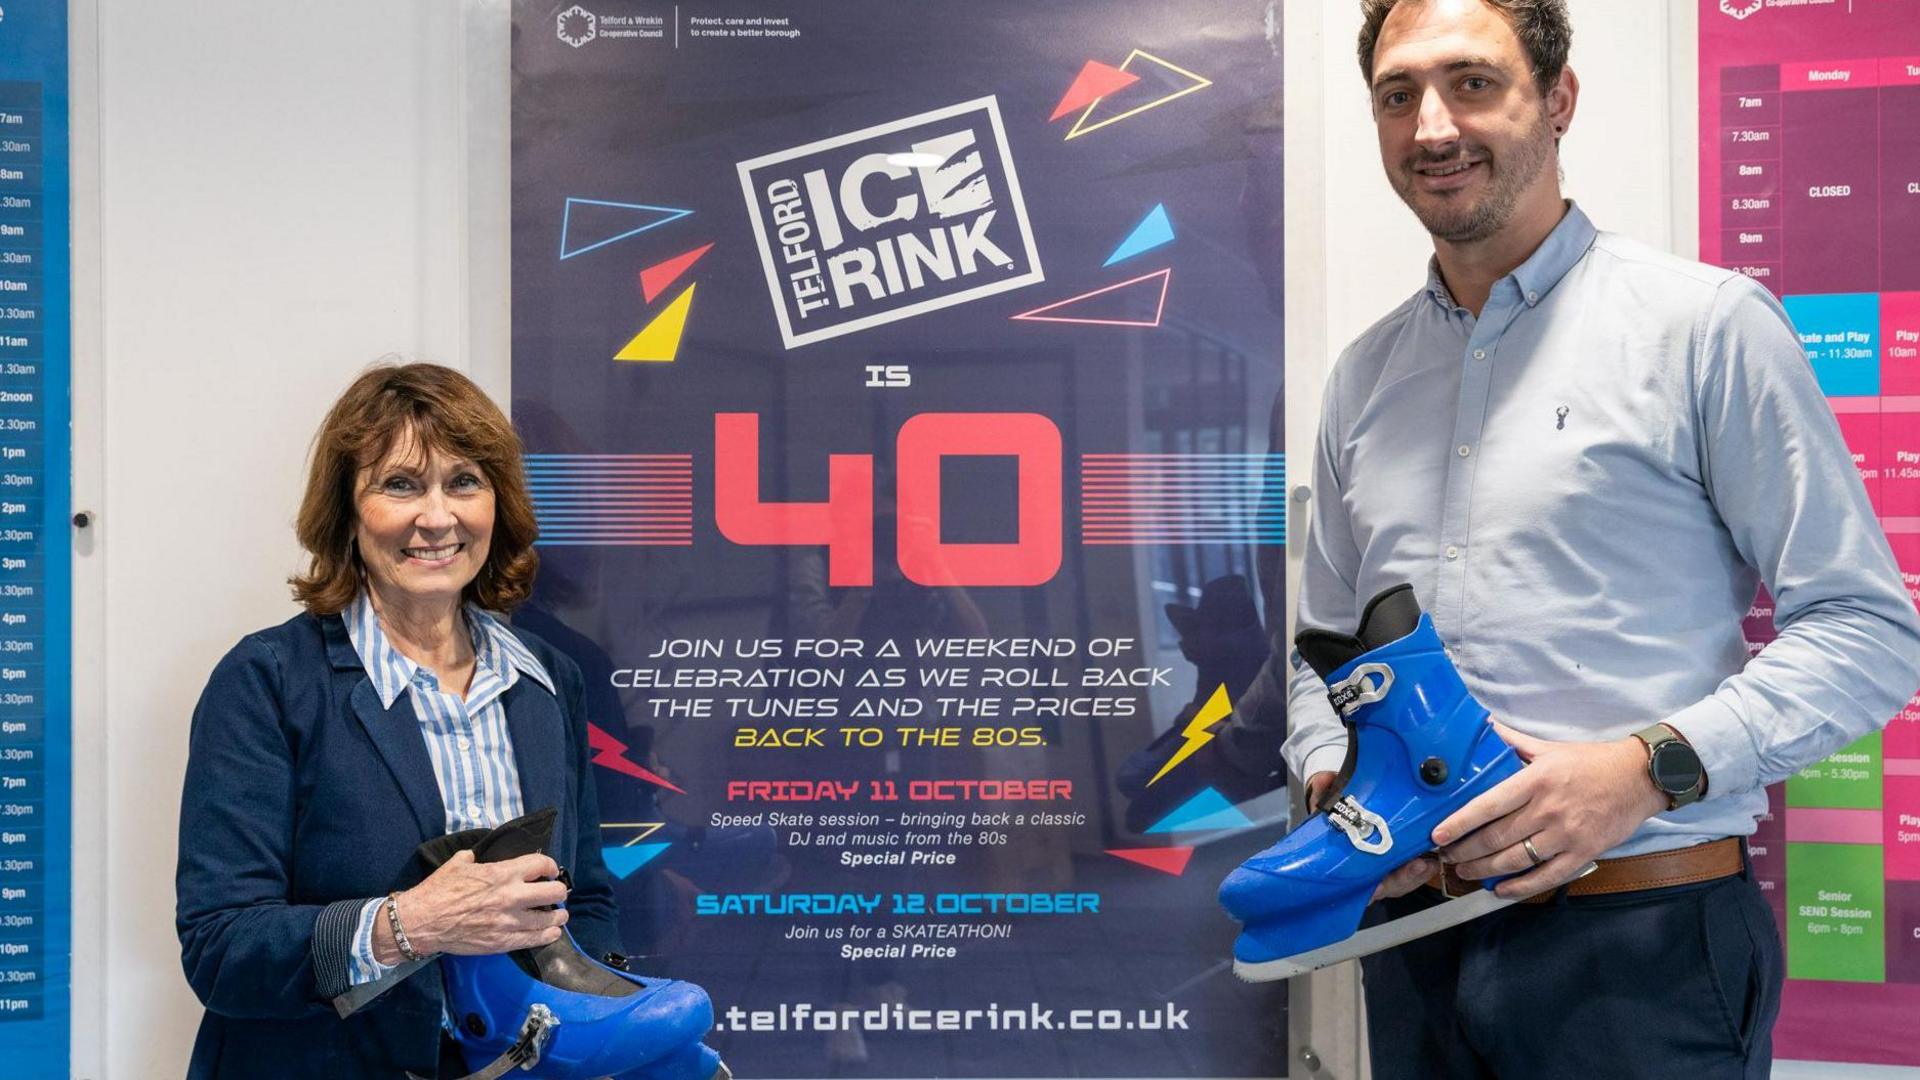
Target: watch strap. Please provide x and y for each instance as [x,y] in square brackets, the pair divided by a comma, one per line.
[1654,736]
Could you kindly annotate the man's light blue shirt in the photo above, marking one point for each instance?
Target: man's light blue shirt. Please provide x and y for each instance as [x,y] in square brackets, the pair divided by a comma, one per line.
[1584,486]
[466,735]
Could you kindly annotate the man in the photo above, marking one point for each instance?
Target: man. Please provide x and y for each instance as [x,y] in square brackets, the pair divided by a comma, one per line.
[1584,454]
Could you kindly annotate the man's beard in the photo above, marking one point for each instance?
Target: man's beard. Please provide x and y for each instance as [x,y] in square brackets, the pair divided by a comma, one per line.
[1512,172]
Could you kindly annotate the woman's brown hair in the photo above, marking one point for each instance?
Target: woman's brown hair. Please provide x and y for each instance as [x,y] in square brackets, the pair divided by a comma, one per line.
[430,406]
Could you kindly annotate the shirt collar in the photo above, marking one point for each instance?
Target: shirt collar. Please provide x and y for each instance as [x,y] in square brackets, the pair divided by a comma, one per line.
[391,672]
[1535,278]
[504,649]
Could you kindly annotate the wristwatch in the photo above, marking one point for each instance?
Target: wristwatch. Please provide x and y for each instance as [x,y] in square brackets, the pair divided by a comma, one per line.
[1673,765]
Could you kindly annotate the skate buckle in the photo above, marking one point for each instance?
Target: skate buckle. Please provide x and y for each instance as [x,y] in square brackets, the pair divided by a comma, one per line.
[525,1052]
[1355,690]
[1367,830]
[526,1049]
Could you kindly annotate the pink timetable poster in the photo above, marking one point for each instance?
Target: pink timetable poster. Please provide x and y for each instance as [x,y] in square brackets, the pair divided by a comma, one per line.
[1810,184]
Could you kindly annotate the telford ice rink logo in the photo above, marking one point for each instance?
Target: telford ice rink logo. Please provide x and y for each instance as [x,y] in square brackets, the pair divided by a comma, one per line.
[1740,9]
[890,222]
[576,26]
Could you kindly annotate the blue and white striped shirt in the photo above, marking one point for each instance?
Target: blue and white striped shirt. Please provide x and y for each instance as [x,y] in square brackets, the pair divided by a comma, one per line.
[467,738]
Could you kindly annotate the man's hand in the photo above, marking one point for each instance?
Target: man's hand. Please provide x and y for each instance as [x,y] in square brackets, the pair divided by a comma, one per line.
[1401,881]
[1574,800]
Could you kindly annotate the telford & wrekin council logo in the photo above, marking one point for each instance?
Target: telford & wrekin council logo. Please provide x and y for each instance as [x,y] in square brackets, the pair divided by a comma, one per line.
[576,26]
[890,221]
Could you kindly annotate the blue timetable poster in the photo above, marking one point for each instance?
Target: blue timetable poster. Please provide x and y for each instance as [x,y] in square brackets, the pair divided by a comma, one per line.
[35,590]
[900,385]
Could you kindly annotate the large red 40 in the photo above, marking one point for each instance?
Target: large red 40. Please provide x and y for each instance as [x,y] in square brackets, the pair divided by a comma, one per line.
[844,522]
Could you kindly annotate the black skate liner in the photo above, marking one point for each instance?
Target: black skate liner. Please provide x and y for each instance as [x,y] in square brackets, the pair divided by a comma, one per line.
[560,964]
[1388,617]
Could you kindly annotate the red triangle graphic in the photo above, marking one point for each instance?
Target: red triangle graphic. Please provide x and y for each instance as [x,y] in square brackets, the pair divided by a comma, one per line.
[1096,80]
[655,279]
[1167,860]
[1110,311]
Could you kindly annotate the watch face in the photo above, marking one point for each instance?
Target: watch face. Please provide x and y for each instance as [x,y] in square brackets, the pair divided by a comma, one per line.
[1676,767]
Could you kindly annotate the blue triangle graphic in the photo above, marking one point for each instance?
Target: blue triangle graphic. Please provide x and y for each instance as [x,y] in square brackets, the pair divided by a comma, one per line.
[625,860]
[1230,818]
[1153,230]
[599,218]
[1204,812]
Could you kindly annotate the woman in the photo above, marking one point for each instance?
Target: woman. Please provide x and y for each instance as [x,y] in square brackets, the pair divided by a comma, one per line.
[394,710]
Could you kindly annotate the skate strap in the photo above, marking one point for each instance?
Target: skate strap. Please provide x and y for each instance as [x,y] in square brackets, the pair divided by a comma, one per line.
[1347,695]
[1359,688]
[1366,830]
[1632,873]
[525,1051]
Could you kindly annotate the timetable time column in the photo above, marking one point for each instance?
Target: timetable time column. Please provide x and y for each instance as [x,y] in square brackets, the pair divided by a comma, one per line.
[22,580]
[1750,172]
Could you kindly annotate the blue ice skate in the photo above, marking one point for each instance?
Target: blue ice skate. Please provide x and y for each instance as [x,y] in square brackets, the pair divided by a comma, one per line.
[559,1014]
[554,1012]
[1419,748]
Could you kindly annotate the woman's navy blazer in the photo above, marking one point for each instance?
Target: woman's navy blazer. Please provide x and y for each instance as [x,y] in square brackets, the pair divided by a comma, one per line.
[304,798]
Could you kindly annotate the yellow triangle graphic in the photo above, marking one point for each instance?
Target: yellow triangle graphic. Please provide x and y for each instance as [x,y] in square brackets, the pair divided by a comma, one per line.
[660,341]
[1200,82]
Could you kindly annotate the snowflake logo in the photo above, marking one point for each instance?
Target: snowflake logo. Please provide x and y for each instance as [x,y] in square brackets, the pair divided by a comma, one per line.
[1740,9]
[576,26]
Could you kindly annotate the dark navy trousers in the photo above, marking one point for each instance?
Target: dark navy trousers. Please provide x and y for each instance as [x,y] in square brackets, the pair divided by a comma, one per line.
[1675,982]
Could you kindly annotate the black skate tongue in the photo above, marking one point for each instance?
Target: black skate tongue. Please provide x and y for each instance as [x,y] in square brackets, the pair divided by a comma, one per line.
[1388,617]
[521,836]
[559,963]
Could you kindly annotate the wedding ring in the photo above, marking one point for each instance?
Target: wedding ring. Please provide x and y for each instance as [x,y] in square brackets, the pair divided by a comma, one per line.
[1531,853]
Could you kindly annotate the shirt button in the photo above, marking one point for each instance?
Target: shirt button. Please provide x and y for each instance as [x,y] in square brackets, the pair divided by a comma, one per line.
[1452,552]
[1464,450]
[465,743]
[1479,354]
[473,810]
[1533,298]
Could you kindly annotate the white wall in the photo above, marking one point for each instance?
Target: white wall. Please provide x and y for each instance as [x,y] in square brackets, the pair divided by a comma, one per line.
[283,193]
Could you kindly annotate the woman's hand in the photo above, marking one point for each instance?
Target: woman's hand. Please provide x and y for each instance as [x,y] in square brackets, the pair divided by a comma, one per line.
[470,909]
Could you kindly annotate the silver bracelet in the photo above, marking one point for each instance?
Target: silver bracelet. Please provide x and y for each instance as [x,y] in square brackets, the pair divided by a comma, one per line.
[399,935]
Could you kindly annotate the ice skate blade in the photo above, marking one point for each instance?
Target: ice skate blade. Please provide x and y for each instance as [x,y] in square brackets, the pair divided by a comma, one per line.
[1375,938]
[721,1072]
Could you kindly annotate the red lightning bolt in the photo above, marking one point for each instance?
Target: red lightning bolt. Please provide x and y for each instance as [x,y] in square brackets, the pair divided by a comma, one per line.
[612,753]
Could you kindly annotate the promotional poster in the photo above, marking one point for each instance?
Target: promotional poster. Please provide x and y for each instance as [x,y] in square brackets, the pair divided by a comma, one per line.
[1810,185]
[901,386]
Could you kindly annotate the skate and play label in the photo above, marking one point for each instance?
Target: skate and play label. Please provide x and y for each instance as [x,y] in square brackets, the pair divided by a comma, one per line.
[885,381]
[1810,185]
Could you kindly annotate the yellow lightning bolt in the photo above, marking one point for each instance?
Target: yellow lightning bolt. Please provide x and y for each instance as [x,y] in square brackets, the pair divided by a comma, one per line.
[1196,735]
[649,827]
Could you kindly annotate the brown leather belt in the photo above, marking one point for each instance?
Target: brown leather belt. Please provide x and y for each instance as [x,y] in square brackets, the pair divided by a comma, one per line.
[1631,873]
